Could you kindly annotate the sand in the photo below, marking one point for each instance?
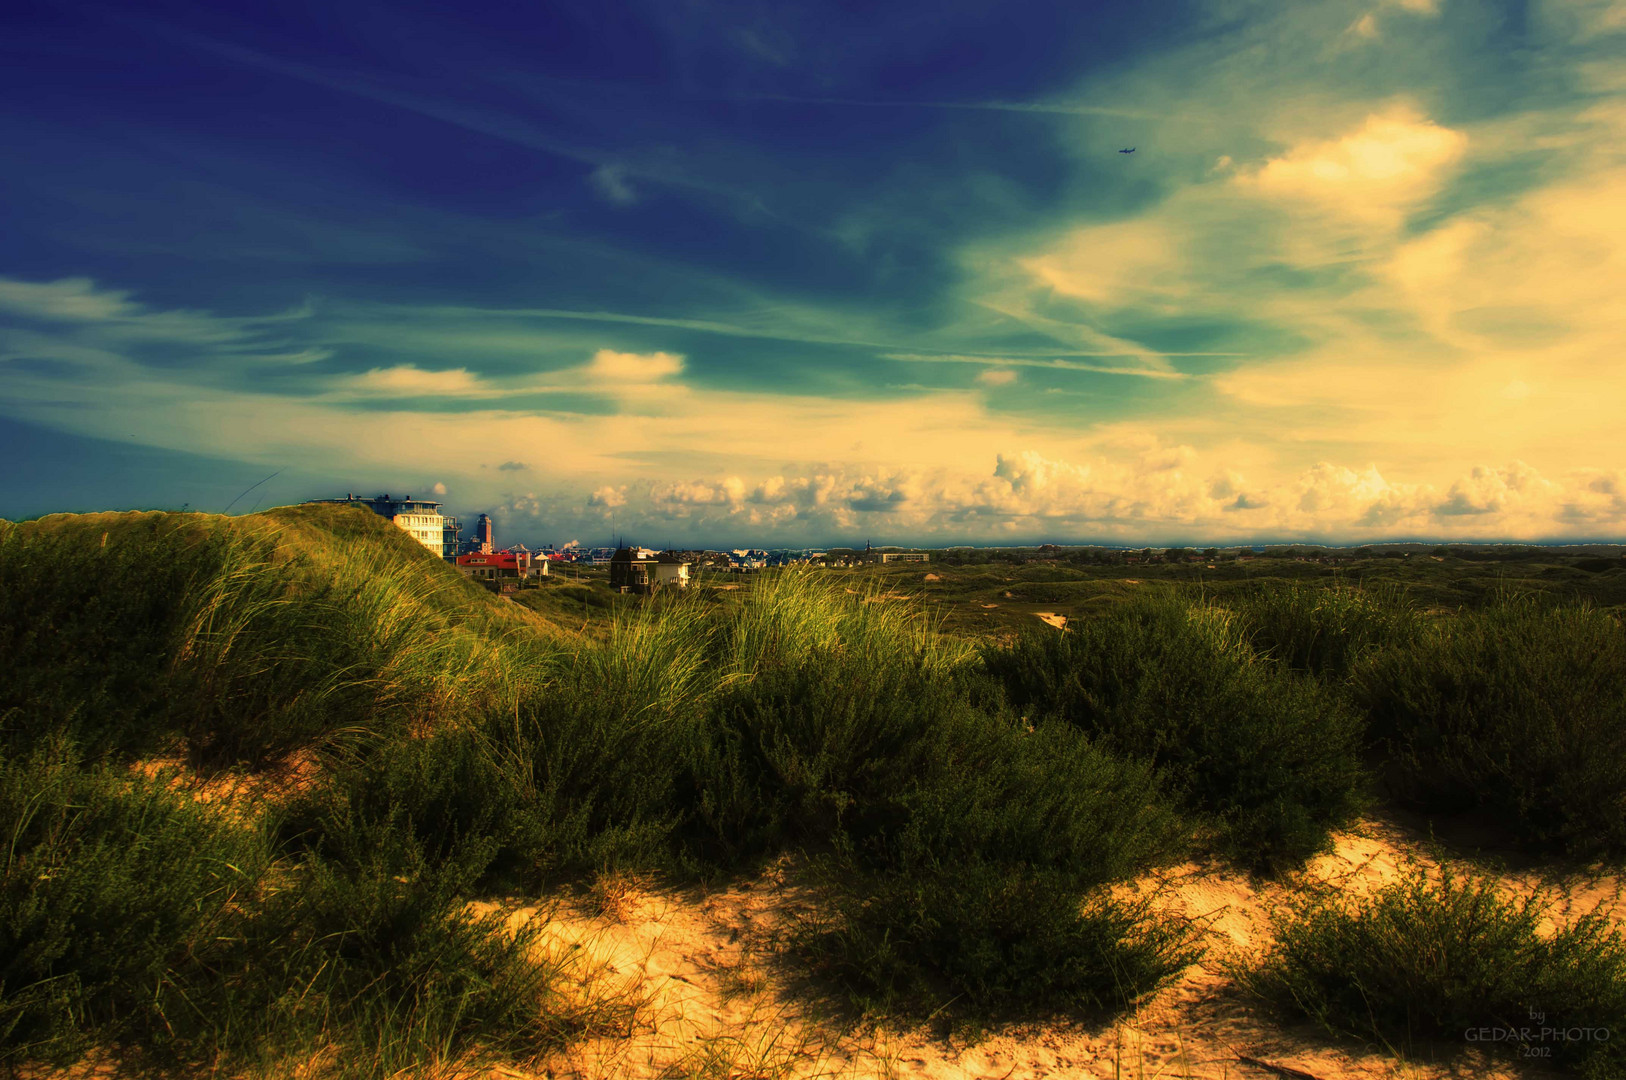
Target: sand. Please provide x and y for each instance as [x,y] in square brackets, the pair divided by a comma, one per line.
[716,1002]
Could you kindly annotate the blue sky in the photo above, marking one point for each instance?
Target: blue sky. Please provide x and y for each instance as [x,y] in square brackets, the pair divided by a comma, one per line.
[797,273]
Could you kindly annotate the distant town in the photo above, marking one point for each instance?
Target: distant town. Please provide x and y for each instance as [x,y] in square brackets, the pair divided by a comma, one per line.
[641,569]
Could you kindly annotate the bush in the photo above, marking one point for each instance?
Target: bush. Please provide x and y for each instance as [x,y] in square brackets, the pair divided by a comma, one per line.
[958,844]
[1443,958]
[133,917]
[982,940]
[1324,631]
[445,793]
[120,900]
[1268,759]
[1517,709]
[373,953]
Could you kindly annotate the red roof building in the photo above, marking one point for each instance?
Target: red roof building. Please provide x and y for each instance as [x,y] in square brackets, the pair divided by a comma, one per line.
[502,564]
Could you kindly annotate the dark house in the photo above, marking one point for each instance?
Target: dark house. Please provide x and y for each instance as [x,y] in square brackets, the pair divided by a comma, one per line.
[642,571]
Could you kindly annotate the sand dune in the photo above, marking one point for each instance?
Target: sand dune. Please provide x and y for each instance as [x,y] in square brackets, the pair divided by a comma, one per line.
[715,1002]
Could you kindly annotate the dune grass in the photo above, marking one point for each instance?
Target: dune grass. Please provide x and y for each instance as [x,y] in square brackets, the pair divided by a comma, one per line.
[239,640]
[1269,760]
[1516,710]
[1324,631]
[1452,957]
[967,810]
[137,921]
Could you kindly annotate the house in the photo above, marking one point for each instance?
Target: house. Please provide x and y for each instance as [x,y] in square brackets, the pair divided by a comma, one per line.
[640,570]
[905,556]
[502,564]
[419,518]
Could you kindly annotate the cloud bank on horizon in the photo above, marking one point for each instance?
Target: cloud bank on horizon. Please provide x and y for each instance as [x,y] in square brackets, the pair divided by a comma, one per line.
[770,272]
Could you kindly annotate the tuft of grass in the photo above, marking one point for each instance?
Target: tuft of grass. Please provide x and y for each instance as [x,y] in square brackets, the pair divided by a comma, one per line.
[1449,956]
[981,940]
[959,891]
[1268,759]
[135,919]
[119,900]
[1517,710]
[376,956]
[1324,632]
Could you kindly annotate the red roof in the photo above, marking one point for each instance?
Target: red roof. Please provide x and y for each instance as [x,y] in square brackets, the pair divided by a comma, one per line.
[502,560]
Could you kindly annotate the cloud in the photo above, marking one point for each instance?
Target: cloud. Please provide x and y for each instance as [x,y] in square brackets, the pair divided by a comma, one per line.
[1365,27]
[71,299]
[406,381]
[610,366]
[512,466]
[1395,158]
[439,489]
[612,185]
[1490,491]
[608,497]
[997,377]
[1104,264]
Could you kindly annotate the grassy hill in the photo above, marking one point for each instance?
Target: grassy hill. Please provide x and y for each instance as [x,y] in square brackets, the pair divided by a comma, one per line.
[400,743]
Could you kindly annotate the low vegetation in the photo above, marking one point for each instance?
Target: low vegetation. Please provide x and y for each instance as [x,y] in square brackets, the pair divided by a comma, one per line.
[1453,957]
[1515,710]
[964,809]
[1267,759]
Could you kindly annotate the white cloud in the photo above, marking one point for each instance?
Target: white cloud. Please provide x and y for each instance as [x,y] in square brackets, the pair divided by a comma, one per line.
[610,366]
[73,299]
[608,497]
[997,377]
[1104,264]
[408,381]
[1395,158]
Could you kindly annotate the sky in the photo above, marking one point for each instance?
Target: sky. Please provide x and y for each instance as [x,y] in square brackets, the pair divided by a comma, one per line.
[718,272]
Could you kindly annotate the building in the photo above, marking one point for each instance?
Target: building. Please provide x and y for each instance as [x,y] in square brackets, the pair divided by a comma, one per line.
[905,556]
[642,571]
[451,536]
[482,535]
[496,565]
[418,518]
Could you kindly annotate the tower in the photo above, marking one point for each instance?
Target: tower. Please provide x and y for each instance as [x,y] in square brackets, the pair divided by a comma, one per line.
[482,534]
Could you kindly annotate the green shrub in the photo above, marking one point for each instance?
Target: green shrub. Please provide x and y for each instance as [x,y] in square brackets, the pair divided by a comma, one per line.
[1269,759]
[373,952]
[1455,959]
[1518,710]
[120,900]
[958,842]
[981,939]
[134,918]
[447,793]
[1324,631]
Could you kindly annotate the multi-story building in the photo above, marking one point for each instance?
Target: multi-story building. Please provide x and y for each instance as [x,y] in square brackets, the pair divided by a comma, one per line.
[419,518]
